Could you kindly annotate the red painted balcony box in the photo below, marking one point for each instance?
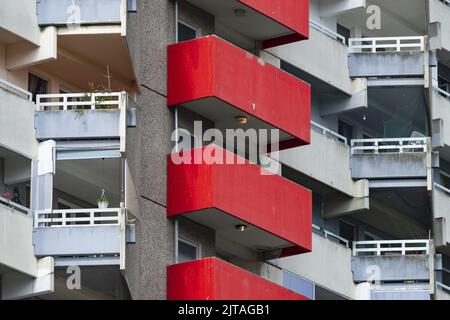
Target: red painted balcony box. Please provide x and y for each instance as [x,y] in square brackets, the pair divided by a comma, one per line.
[214,279]
[220,81]
[275,22]
[276,211]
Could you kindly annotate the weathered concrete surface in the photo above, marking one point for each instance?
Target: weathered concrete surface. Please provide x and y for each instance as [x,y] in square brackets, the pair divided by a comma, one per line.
[391,268]
[389,165]
[94,124]
[386,64]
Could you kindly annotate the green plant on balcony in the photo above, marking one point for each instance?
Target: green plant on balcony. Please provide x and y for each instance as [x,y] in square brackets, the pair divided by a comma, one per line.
[100,102]
[103,202]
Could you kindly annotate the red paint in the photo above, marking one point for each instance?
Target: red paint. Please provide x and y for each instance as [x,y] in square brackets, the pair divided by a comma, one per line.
[214,279]
[212,67]
[269,202]
[293,14]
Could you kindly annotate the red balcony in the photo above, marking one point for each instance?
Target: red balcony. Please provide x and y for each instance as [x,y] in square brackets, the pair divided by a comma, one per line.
[220,81]
[276,211]
[213,279]
[275,22]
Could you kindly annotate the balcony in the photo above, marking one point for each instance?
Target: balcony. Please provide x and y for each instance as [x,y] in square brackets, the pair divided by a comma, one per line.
[275,213]
[81,116]
[214,279]
[391,261]
[71,224]
[390,159]
[61,12]
[23,275]
[314,162]
[17,131]
[441,120]
[441,209]
[387,57]
[80,233]
[323,56]
[273,22]
[328,265]
[220,82]
[440,18]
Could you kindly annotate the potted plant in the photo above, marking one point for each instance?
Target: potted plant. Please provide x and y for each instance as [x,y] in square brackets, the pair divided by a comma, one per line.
[102,202]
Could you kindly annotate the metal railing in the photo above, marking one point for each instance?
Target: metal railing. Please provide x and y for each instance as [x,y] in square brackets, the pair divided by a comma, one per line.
[442,188]
[78,101]
[327,31]
[328,234]
[15,89]
[441,91]
[327,132]
[76,218]
[391,247]
[13,205]
[389,145]
[387,44]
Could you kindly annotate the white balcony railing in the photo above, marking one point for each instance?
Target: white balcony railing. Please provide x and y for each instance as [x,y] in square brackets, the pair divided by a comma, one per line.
[390,145]
[327,132]
[327,31]
[328,234]
[13,205]
[391,247]
[441,91]
[78,101]
[388,44]
[442,188]
[15,89]
[77,218]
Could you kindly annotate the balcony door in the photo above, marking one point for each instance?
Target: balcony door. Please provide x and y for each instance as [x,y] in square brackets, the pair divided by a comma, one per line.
[37,85]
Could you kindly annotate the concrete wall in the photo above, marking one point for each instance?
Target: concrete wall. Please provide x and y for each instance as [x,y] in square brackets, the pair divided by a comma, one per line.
[386,64]
[391,268]
[314,161]
[17,124]
[328,265]
[16,243]
[441,209]
[77,240]
[149,31]
[57,12]
[389,166]
[91,124]
[19,17]
[439,12]
[441,114]
[323,57]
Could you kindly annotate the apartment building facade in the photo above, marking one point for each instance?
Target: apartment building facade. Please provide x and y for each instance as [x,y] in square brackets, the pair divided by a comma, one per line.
[110,110]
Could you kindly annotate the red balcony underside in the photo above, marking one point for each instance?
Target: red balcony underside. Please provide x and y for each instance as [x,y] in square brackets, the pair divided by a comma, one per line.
[220,81]
[275,22]
[214,279]
[278,212]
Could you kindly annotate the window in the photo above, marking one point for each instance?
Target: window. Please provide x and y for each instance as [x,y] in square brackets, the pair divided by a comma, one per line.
[347,231]
[187,251]
[343,31]
[37,85]
[186,32]
[346,130]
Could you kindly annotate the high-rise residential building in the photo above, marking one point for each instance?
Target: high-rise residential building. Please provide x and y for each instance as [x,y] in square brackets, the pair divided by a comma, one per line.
[225,149]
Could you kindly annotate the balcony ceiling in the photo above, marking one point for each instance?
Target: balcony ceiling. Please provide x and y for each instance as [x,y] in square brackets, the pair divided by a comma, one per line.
[393,112]
[84,58]
[84,179]
[410,22]
[253,25]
